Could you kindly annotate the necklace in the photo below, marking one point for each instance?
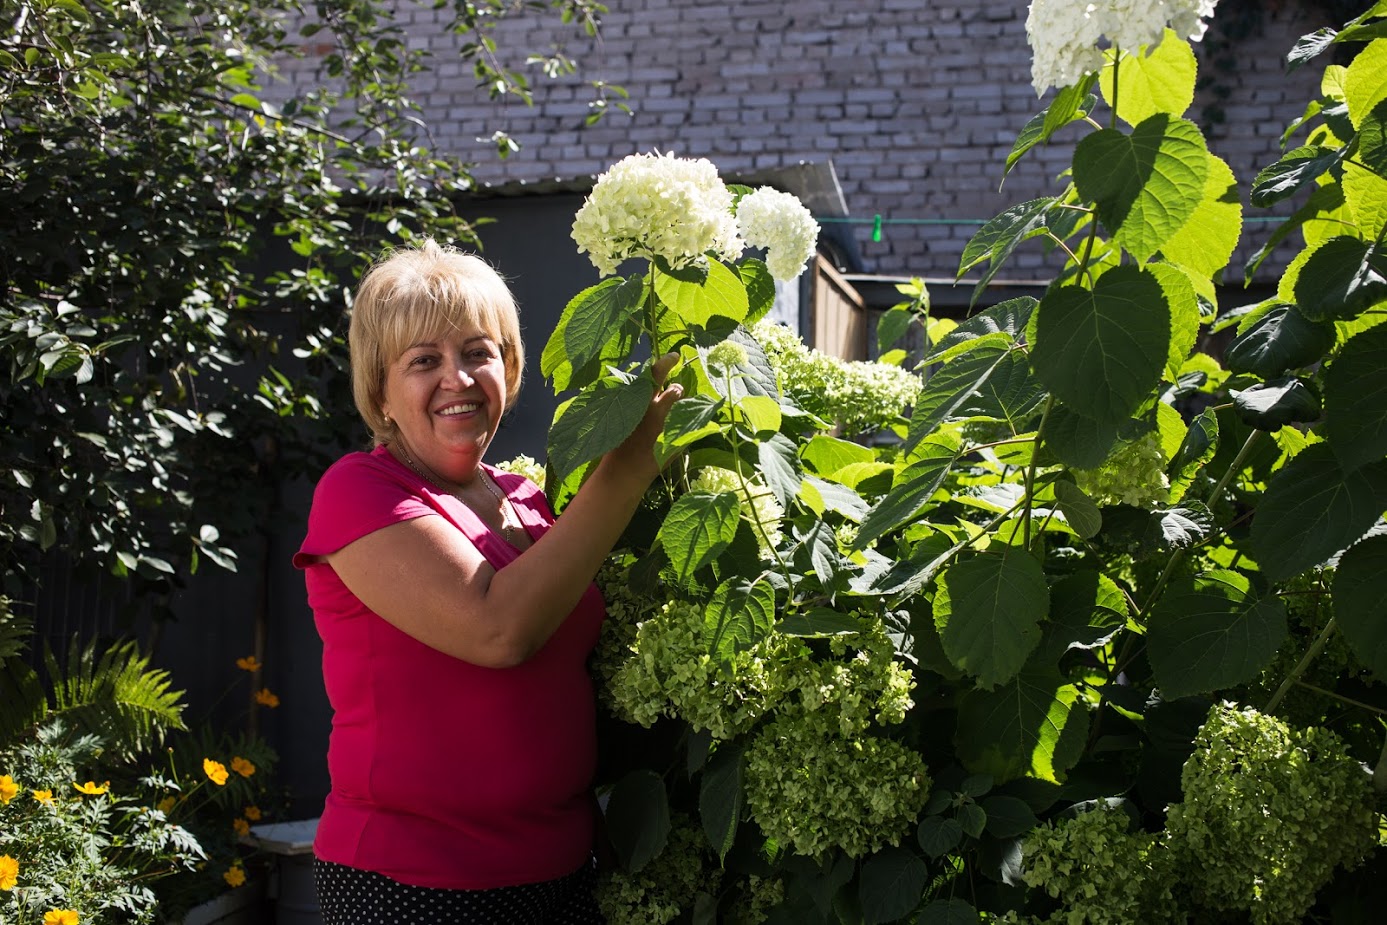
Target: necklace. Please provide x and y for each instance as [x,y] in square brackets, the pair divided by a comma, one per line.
[507,528]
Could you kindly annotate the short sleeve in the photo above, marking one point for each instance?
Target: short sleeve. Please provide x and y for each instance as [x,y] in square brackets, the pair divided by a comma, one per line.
[359,494]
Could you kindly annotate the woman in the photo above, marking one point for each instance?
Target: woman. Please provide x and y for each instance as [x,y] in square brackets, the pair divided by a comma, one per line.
[456,617]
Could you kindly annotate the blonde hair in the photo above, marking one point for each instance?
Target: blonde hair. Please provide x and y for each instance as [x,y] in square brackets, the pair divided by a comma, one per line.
[418,293]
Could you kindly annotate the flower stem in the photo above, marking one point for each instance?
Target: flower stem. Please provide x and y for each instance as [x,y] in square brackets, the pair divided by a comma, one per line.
[1315,649]
[1030,472]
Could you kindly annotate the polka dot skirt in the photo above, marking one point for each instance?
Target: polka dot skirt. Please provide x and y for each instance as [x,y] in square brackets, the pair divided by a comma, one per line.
[347,896]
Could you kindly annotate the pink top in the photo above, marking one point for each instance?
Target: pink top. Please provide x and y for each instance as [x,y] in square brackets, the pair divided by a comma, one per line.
[444,773]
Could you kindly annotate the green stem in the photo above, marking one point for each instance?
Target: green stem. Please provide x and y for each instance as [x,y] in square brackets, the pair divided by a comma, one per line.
[1315,649]
[1030,472]
[1341,698]
[654,318]
[746,489]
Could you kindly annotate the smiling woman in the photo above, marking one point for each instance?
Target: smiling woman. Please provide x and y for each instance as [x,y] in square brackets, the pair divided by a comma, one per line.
[457,615]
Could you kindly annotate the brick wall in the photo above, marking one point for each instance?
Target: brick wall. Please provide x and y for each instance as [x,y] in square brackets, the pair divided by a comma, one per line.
[915,103]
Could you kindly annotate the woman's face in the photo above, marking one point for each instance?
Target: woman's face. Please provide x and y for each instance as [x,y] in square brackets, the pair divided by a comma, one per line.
[446,395]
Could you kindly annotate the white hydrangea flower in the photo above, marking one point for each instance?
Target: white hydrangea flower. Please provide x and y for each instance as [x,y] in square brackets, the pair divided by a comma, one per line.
[657,205]
[780,223]
[526,466]
[1067,36]
[763,513]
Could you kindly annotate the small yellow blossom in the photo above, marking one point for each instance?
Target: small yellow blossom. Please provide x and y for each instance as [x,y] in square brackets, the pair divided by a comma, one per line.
[43,796]
[61,917]
[241,826]
[9,872]
[234,876]
[8,788]
[215,771]
[249,663]
[242,767]
[92,788]
[253,813]
[265,698]
[166,805]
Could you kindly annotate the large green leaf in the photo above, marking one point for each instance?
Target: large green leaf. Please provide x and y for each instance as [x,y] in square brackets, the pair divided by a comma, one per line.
[1343,277]
[1360,607]
[1319,209]
[948,912]
[740,614]
[1294,170]
[1312,509]
[950,388]
[1101,352]
[912,491]
[995,241]
[1011,394]
[637,817]
[720,798]
[1372,140]
[595,422]
[1032,726]
[891,886]
[721,293]
[1078,509]
[1070,103]
[826,455]
[1281,339]
[1009,318]
[988,611]
[1275,403]
[1199,446]
[1356,399]
[593,315]
[1145,185]
[1211,634]
[1183,301]
[1365,83]
[779,466]
[698,527]
[1206,242]
[1160,81]
[760,288]
[1077,441]
[1365,196]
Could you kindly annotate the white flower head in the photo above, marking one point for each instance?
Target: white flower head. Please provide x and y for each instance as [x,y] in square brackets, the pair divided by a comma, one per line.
[657,205]
[1067,36]
[780,223]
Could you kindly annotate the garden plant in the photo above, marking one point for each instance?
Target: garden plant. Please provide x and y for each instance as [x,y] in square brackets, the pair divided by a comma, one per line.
[1090,630]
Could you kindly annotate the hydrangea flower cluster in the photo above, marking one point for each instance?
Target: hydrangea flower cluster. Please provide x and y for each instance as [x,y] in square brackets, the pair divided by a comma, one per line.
[780,223]
[762,511]
[526,466]
[1065,36]
[660,891]
[1268,813]
[859,396]
[657,205]
[1133,474]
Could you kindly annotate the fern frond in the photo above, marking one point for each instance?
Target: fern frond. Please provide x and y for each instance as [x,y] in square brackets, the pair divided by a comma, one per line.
[116,696]
[23,701]
[15,630]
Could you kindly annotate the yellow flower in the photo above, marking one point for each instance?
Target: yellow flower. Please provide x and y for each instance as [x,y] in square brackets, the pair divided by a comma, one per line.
[215,771]
[241,826]
[249,663]
[8,788]
[91,788]
[166,805]
[265,698]
[61,917]
[253,813]
[43,796]
[9,872]
[242,767]
[234,876]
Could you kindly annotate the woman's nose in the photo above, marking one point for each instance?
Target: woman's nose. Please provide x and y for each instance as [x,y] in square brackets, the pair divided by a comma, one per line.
[458,375]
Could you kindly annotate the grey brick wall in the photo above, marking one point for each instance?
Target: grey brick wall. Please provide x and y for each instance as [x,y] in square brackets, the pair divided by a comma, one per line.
[915,103]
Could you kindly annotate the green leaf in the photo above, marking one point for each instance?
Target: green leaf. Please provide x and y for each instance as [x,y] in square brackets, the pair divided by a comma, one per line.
[698,527]
[988,612]
[1360,607]
[760,413]
[1342,278]
[740,614]
[1296,169]
[1365,196]
[1183,303]
[1199,446]
[720,799]
[1077,441]
[1273,404]
[1161,81]
[1032,726]
[939,835]
[760,288]
[826,455]
[1070,103]
[1008,817]
[948,912]
[595,422]
[1372,140]
[1205,243]
[1309,46]
[690,419]
[1101,352]
[911,492]
[1281,339]
[1365,82]
[1177,527]
[779,468]
[1319,206]
[950,388]
[892,325]
[1086,610]
[1145,185]
[721,293]
[820,621]
[1078,509]
[1212,634]
[892,885]
[1008,318]
[637,817]
[1011,393]
[1355,387]
[1312,509]
[995,241]
[594,317]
